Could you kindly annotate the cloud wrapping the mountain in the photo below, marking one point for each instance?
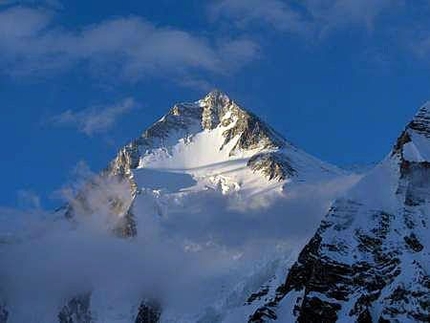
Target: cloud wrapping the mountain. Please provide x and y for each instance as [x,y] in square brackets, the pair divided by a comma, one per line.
[28,199]
[198,242]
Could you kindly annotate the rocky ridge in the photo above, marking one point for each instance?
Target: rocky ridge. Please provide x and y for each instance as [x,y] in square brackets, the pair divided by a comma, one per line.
[368,261]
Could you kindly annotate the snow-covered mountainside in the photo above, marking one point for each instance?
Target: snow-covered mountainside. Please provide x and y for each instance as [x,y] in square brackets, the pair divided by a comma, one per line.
[214,144]
[369,259]
[189,218]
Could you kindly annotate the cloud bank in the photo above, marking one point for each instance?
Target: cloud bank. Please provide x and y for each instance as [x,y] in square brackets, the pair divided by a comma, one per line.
[31,42]
[308,17]
[199,243]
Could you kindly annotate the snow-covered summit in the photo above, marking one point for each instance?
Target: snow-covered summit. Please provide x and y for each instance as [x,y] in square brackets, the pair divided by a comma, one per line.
[212,130]
[215,110]
[219,145]
[421,121]
[412,145]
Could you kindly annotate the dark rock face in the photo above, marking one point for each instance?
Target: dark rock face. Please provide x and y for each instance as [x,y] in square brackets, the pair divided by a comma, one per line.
[252,132]
[4,314]
[365,264]
[413,243]
[420,126]
[257,295]
[421,123]
[77,310]
[149,312]
[273,166]
[327,282]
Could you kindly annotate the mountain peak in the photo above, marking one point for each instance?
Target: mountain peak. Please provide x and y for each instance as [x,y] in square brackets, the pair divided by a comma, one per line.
[216,96]
[215,111]
[212,131]
[421,121]
[413,145]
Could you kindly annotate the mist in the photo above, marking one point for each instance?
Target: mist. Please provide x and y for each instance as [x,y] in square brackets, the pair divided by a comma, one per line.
[188,253]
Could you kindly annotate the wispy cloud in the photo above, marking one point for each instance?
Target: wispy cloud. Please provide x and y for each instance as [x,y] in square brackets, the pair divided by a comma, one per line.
[28,200]
[275,13]
[307,17]
[55,4]
[334,14]
[32,42]
[95,119]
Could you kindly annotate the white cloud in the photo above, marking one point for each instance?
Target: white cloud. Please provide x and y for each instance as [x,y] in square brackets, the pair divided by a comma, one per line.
[273,12]
[55,4]
[239,52]
[96,119]
[197,242]
[131,47]
[21,23]
[335,14]
[307,17]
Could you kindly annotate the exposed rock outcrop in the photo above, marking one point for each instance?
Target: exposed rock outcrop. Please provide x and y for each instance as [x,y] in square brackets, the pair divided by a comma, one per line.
[149,312]
[367,261]
[77,310]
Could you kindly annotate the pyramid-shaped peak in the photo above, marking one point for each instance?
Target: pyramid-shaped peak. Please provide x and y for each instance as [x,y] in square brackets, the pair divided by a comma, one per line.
[413,145]
[424,110]
[216,94]
[421,122]
[216,98]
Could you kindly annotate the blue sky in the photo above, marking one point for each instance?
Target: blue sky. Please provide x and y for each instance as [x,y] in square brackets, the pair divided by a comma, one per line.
[78,79]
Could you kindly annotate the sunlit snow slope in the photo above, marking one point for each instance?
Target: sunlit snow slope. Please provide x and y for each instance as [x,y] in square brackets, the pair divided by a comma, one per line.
[221,145]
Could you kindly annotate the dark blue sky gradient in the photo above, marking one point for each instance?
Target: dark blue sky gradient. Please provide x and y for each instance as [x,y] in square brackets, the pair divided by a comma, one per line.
[344,98]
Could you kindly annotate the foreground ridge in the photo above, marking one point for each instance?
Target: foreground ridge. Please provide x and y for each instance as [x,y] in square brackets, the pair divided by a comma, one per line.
[368,261]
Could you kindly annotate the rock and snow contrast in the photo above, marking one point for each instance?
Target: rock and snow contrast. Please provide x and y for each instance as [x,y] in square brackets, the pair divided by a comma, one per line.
[369,259]
[210,216]
[212,144]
